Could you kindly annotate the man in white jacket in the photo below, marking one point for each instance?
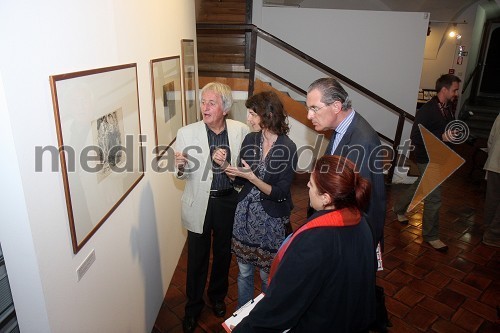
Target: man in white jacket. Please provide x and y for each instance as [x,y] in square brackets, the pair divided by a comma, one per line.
[209,199]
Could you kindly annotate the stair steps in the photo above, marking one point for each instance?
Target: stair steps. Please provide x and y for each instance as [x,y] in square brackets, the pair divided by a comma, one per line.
[488,101]
[222,54]
[480,116]
[222,58]
[211,11]
[209,40]
[218,18]
[224,7]
[236,84]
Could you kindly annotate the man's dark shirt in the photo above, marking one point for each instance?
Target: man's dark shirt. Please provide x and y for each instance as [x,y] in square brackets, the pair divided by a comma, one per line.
[434,118]
[220,181]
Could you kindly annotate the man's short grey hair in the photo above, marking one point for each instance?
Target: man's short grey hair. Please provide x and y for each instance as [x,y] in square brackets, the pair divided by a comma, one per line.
[331,91]
[223,90]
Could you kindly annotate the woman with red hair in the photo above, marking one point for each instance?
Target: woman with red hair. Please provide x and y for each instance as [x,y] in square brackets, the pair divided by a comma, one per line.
[322,278]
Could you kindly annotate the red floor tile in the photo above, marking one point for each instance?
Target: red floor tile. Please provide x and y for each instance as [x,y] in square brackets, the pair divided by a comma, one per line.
[421,318]
[467,320]
[442,310]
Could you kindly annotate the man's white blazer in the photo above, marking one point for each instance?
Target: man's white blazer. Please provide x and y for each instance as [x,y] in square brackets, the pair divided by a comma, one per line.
[193,141]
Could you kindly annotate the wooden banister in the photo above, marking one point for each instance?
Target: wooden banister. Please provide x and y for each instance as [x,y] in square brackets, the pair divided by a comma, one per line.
[254,85]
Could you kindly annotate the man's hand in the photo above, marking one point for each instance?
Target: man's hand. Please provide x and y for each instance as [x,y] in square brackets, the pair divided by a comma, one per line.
[180,162]
[450,135]
[219,157]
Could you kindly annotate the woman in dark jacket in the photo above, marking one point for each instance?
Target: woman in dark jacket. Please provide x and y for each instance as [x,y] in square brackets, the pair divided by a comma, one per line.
[268,159]
[322,278]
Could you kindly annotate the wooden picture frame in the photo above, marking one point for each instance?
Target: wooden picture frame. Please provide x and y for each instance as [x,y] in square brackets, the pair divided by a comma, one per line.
[428,94]
[190,81]
[167,100]
[98,129]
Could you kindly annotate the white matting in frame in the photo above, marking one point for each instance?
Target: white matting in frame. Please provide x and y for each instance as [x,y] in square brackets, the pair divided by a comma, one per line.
[98,129]
[167,100]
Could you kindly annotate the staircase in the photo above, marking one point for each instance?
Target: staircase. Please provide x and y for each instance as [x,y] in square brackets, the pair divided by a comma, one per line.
[222,55]
[480,116]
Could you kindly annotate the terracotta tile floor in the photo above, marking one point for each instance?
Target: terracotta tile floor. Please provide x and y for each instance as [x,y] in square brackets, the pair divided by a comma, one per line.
[426,291]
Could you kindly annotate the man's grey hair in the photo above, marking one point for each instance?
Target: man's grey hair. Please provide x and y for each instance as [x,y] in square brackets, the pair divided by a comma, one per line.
[223,90]
[331,91]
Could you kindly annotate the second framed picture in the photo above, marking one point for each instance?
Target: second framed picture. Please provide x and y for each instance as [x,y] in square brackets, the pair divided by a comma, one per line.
[189,77]
[167,106]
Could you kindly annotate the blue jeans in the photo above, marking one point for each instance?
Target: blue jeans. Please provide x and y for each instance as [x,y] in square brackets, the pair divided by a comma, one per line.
[245,282]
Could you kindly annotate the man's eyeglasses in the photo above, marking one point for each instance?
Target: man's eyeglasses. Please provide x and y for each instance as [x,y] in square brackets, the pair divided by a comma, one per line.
[314,109]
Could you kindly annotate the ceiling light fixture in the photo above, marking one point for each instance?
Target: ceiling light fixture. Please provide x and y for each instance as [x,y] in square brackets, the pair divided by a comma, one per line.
[453,32]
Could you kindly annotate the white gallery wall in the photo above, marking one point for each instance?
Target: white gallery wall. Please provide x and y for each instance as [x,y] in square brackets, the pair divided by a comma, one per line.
[441,51]
[382,51]
[138,246]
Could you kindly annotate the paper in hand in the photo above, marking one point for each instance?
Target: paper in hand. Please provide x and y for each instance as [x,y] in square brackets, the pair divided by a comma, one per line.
[241,313]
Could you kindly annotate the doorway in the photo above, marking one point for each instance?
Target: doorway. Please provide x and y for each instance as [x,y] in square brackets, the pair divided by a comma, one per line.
[490,85]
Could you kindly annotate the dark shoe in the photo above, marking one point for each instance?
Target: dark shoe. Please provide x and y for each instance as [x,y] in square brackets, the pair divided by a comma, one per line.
[189,324]
[219,308]
[438,245]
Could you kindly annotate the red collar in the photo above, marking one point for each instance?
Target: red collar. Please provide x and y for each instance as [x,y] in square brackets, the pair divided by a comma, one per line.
[337,218]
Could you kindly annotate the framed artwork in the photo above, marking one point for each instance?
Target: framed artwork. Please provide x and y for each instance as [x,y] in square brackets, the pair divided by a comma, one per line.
[189,78]
[98,130]
[428,94]
[167,103]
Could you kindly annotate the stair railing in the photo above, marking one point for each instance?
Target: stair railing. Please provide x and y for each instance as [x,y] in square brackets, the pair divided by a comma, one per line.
[472,76]
[472,96]
[256,33]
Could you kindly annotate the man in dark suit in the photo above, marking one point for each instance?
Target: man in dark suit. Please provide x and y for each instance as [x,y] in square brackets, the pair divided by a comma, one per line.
[329,107]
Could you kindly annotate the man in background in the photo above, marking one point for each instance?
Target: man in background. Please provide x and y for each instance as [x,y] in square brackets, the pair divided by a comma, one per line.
[435,115]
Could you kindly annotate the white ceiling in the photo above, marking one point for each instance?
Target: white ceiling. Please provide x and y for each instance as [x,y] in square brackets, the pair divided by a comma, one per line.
[440,10]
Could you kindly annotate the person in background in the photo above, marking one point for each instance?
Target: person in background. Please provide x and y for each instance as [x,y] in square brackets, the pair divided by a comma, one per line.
[434,115]
[491,234]
[268,161]
[209,199]
[322,278]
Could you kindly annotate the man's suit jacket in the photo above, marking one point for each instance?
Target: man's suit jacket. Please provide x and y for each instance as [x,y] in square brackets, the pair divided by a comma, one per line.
[193,140]
[361,144]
